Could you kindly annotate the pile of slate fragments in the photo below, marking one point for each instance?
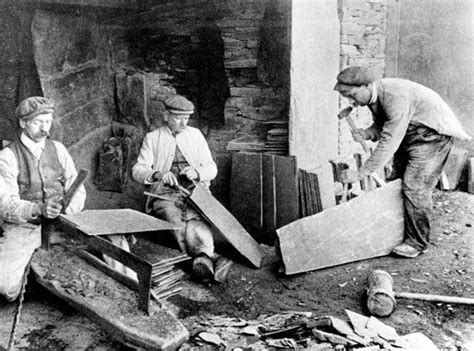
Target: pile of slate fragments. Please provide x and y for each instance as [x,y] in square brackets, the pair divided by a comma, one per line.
[299,330]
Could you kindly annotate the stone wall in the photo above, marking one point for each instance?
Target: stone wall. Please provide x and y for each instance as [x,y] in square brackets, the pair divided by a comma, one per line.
[229,57]
[436,52]
[363,38]
[256,60]
[72,57]
[18,76]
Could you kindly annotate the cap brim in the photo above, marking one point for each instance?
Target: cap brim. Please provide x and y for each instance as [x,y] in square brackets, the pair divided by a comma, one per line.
[341,87]
[181,112]
[42,111]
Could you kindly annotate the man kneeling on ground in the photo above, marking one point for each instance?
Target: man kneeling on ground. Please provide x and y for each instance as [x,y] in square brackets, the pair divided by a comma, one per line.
[35,172]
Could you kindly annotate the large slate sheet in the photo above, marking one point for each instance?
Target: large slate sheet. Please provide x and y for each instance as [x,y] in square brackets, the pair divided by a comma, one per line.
[286,188]
[116,221]
[246,191]
[226,224]
[370,225]
[264,193]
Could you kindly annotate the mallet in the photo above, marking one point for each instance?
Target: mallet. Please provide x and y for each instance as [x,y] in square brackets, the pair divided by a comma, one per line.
[381,297]
[346,114]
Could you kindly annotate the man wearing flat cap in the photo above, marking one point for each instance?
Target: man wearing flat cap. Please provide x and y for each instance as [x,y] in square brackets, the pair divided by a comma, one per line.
[35,172]
[172,158]
[413,124]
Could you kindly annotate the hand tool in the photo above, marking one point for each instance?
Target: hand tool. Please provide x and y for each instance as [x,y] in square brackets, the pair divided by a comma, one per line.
[184,190]
[47,224]
[381,297]
[346,114]
[345,193]
[80,179]
[161,197]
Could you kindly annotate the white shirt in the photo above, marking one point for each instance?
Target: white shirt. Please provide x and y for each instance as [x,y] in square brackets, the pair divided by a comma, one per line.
[158,151]
[12,208]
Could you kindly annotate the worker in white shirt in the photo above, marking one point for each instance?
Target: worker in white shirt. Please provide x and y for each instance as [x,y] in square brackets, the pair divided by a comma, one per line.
[173,157]
[35,172]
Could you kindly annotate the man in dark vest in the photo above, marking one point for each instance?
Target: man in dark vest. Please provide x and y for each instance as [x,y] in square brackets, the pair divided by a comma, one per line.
[35,172]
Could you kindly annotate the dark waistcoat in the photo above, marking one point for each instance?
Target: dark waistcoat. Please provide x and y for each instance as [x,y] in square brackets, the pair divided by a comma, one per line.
[38,180]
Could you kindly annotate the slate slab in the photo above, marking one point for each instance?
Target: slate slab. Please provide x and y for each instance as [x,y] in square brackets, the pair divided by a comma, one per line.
[286,188]
[246,191]
[116,221]
[226,224]
[370,225]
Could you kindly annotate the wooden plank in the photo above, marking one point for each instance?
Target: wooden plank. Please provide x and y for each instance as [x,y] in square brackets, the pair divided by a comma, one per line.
[246,191]
[116,221]
[226,224]
[346,233]
[286,185]
[268,197]
[132,261]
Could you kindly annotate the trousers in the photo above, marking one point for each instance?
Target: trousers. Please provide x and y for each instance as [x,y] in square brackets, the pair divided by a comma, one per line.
[419,161]
[17,245]
[195,236]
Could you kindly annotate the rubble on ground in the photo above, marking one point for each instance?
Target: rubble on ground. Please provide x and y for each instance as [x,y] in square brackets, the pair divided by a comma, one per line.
[299,330]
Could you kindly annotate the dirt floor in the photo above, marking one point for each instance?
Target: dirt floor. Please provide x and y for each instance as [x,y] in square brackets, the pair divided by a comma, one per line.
[447,269]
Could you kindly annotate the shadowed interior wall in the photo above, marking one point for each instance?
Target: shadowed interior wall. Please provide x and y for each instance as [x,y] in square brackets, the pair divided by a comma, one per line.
[434,47]
[18,76]
[106,66]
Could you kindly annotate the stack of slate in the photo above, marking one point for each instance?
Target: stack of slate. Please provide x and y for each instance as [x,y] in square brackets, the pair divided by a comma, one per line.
[337,167]
[165,277]
[310,197]
[277,137]
[247,143]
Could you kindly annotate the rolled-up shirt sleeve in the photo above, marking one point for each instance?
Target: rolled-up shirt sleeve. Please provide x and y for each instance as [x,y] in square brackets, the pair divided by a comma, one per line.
[392,134]
[12,208]
[143,171]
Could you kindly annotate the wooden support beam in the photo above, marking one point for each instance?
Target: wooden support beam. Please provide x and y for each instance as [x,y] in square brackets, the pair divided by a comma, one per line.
[87,226]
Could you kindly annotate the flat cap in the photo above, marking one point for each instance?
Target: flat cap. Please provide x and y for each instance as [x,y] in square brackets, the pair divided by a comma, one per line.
[179,105]
[355,76]
[33,106]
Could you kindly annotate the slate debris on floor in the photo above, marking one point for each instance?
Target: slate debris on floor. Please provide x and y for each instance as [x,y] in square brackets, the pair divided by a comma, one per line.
[300,330]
